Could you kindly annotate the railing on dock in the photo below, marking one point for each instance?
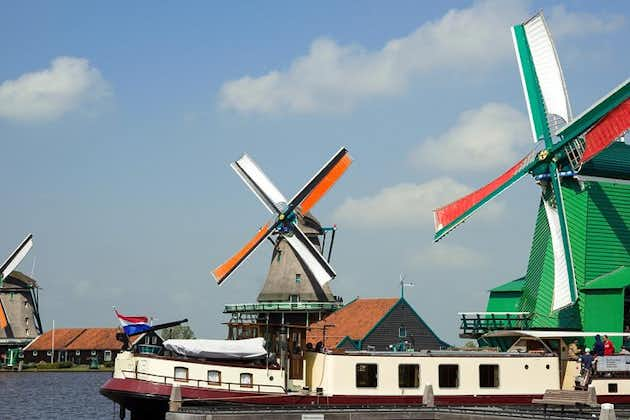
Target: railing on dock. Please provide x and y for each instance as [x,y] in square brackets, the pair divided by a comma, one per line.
[231,386]
[476,324]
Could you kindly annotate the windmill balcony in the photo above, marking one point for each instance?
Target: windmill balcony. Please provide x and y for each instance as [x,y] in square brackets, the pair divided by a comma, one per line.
[282,307]
[476,324]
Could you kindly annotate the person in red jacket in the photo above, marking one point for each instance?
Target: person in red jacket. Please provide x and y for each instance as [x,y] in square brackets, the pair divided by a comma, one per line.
[609,348]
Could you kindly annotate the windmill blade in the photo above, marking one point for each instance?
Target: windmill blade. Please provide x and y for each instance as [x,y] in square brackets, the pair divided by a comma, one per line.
[448,217]
[4,322]
[564,287]
[260,184]
[16,257]
[607,130]
[323,180]
[541,75]
[223,271]
[310,255]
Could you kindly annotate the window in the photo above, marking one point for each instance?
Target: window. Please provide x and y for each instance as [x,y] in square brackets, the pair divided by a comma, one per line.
[49,353]
[294,298]
[612,387]
[408,376]
[489,376]
[247,380]
[107,356]
[34,352]
[154,340]
[298,277]
[93,352]
[77,353]
[402,332]
[181,374]
[214,377]
[366,375]
[448,376]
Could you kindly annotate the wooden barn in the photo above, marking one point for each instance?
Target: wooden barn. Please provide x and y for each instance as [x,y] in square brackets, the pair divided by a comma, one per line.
[80,345]
[379,324]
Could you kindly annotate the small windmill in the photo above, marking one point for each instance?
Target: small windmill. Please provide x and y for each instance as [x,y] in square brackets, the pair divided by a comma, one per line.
[7,268]
[564,145]
[288,215]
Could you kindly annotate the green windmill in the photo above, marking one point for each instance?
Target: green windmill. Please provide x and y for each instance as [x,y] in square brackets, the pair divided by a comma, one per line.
[579,265]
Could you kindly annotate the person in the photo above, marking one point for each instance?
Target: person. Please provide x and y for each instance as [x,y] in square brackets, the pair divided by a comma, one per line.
[609,347]
[626,339]
[598,347]
[574,351]
[587,368]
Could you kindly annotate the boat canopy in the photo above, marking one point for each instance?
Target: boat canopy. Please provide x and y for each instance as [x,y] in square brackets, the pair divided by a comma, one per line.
[251,348]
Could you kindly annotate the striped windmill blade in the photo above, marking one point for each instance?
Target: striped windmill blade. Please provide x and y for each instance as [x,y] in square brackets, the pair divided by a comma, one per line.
[222,272]
[323,180]
[9,265]
[260,184]
[564,287]
[541,74]
[448,217]
[310,256]
[599,126]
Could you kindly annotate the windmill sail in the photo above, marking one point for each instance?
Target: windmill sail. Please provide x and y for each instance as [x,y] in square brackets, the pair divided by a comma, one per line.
[543,82]
[7,268]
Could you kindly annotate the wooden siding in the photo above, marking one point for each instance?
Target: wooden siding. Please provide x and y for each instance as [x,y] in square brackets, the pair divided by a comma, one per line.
[385,332]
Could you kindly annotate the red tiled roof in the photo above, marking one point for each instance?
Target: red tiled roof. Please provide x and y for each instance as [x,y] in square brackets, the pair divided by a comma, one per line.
[354,320]
[77,339]
[96,339]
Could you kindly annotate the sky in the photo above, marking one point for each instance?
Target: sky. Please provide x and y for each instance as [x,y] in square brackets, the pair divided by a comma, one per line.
[118,122]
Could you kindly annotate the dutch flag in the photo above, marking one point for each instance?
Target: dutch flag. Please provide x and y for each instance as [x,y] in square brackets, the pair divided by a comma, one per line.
[133,324]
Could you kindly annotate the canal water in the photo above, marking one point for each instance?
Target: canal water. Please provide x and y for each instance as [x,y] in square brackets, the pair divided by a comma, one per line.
[54,395]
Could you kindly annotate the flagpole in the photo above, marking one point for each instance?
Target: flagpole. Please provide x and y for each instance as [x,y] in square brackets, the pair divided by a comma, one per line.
[52,350]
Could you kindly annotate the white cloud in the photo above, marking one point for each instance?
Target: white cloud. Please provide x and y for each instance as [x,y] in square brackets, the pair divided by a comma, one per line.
[443,255]
[47,94]
[490,137]
[333,77]
[405,205]
[564,23]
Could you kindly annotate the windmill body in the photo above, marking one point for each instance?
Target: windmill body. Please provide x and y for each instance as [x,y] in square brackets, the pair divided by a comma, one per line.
[581,244]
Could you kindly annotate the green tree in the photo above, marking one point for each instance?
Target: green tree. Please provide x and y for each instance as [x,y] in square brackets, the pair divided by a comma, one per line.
[177,332]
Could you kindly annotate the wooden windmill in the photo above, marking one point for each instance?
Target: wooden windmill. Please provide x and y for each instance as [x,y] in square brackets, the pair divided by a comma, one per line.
[19,304]
[298,270]
[581,234]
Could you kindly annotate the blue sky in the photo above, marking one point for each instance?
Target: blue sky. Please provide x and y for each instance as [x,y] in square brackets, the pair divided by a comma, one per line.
[118,123]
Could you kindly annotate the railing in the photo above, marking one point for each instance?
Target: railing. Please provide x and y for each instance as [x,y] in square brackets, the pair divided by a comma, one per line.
[283,306]
[475,324]
[209,384]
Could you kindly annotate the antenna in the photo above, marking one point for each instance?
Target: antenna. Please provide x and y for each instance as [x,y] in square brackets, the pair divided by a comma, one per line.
[403,285]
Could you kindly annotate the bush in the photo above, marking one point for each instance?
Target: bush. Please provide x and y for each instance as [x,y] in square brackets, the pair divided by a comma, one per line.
[108,364]
[56,365]
[65,365]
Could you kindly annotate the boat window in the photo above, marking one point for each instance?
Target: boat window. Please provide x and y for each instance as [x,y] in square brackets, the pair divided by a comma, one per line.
[107,356]
[489,376]
[181,373]
[366,375]
[408,376]
[246,380]
[448,376]
[214,377]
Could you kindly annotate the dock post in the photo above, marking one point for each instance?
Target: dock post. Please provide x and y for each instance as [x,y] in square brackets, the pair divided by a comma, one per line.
[427,398]
[175,400]
[607,412]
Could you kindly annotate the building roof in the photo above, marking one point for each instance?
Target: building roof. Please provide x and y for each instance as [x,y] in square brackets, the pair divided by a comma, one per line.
[511,286]
[355,320]
[77,339]
[616,279]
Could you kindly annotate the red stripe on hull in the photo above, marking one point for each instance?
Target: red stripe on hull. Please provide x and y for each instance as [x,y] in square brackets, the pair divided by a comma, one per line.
[147,397]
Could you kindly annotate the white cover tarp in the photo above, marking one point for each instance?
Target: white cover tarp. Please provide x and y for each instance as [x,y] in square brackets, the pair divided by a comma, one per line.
[251,348]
